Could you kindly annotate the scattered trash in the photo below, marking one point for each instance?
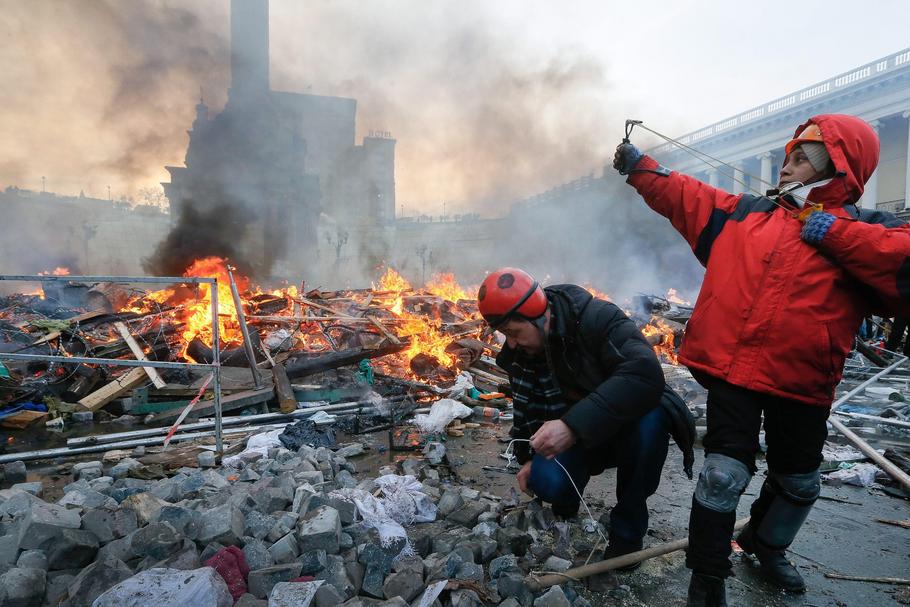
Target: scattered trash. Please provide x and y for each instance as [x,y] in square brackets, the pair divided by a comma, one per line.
[441,414]
[258,444]
[860,475]
[306,432]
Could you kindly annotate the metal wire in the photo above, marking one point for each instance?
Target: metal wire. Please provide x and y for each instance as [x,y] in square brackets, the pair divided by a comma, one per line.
[698,154]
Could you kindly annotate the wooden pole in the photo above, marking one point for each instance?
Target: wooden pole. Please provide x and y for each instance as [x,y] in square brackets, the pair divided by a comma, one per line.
[539,583]
[893,471]
[139,354]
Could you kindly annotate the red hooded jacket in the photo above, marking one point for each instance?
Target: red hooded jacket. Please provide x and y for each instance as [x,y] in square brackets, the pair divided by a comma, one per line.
[777,315]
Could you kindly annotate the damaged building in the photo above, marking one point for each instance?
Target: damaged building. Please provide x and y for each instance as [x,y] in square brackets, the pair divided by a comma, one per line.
[278,165]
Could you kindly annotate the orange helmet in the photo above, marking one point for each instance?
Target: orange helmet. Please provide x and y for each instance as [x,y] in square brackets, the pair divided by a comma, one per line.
[510,292]
[810,133]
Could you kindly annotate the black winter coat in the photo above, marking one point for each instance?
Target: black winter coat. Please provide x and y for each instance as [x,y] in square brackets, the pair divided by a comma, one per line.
[603,363]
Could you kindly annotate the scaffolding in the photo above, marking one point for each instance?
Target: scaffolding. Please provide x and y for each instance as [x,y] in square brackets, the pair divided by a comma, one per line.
[214,367]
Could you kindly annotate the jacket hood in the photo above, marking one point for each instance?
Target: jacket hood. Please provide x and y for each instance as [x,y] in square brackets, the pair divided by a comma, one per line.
[568,302]
[854,148]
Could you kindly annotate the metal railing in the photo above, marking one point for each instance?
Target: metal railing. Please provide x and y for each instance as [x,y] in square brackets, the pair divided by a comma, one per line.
[214,366]
[898,60]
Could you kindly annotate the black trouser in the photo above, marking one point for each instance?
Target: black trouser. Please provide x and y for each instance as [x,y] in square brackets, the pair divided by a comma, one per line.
[794,433]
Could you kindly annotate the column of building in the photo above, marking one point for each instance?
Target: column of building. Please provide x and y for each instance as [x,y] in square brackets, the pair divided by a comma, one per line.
[766,168]
[870,193]
[906,115]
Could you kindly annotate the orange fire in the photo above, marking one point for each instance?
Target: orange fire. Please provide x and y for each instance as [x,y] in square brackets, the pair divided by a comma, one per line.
[424,333]
[598,294]
[396,284]
[665,347]
[58,271]
[674,298]
[197,313]
[445,286]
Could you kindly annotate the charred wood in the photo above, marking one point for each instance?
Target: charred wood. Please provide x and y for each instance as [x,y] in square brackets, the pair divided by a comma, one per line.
[304,365]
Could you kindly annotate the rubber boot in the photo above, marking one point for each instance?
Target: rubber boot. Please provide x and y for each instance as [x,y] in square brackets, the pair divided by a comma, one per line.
[710,533]
[769,538]
[707,591]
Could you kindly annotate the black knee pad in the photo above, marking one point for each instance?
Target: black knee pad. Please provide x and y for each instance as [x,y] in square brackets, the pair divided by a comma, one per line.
[721,482]
[797,488]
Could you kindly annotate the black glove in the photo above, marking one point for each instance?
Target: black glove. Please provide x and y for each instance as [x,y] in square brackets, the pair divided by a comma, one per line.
[626,157]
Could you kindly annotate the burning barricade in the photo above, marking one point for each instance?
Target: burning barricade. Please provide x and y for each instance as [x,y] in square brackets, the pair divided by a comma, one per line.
[391,343]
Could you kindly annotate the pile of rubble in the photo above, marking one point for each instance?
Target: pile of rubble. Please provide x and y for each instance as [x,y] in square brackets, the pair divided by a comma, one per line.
[284,527]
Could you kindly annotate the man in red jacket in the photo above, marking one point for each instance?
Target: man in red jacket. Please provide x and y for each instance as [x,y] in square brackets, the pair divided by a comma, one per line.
[773,324]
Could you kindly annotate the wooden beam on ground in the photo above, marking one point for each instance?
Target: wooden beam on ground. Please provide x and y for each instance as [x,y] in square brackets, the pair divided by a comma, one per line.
[538,583]
[893,471]
[139,354]
[114,389]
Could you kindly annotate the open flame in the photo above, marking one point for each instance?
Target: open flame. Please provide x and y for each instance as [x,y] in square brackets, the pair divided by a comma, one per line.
[662,338]
[58,271]
[598,294]
[425,322]
[197,312]
[674,298]
[445,286]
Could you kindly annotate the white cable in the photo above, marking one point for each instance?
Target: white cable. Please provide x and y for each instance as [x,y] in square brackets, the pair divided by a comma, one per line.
[510,455]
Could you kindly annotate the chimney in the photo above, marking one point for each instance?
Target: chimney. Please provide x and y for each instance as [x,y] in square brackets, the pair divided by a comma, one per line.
[249,47]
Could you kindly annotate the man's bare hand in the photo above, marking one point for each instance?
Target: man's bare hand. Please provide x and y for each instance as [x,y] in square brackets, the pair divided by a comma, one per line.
[523,476]
[553,438]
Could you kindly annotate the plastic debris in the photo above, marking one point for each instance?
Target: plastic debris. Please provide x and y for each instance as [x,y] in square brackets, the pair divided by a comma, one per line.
[860,475]
[305,432]
[442,413]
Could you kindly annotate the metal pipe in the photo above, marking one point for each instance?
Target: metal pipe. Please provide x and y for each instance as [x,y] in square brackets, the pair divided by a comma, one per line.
[875,418]
[142,442]
[896,473]
[216,371]
[127,279]
[119,362]
[871,380]
[244,330]
[229,421]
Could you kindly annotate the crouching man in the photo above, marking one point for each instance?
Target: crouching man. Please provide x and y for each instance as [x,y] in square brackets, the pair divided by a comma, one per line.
[589,393]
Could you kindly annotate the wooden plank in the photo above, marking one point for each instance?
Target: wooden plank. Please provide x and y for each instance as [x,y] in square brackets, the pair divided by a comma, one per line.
[287,401]
[75,319]
[139,354]
[389,335]
[114,389]
[22,419]
[313,304]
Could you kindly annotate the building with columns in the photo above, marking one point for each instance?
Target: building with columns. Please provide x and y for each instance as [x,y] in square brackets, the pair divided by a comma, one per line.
[753,141]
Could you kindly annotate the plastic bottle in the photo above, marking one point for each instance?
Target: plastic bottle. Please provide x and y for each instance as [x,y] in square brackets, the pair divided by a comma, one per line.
[489,412]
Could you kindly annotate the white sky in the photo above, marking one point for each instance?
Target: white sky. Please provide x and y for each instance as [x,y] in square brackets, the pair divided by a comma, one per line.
[685,64]
[490,100]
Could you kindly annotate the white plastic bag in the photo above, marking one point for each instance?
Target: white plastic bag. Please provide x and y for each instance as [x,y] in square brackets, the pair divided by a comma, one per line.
[442,413]
[258,443]
[861,475]
[463,383]
[402,503]
[201,587]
